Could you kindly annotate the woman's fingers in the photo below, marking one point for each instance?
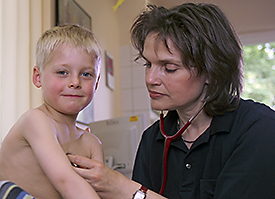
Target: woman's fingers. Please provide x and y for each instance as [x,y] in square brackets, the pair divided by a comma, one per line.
[80,161]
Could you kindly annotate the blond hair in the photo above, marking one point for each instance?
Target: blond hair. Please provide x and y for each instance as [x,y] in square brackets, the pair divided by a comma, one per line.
[72,34]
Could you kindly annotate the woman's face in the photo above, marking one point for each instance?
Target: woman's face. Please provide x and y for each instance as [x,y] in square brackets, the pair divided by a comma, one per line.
[170,84]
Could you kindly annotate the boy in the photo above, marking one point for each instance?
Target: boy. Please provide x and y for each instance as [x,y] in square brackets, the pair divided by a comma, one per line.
[33,154]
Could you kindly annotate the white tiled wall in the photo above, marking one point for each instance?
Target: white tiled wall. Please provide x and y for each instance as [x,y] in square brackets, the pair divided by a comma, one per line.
[135,99]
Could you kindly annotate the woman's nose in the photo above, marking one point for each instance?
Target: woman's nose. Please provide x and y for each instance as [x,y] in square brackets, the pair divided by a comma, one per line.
[74,82]
[152,76]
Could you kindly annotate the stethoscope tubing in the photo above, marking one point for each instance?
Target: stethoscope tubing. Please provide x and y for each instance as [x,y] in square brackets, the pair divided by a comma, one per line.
[167,142]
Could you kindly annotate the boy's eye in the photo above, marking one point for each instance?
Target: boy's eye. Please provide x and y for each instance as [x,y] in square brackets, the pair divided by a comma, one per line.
[62,72]
[87,74]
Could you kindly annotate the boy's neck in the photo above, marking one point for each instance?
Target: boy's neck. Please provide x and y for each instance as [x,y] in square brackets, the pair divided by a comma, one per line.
[58,117]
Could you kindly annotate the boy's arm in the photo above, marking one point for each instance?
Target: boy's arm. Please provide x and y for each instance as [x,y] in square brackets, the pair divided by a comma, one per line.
[94,143]
[40,133]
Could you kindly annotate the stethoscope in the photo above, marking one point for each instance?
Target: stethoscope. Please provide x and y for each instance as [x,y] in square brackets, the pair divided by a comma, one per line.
[168,140]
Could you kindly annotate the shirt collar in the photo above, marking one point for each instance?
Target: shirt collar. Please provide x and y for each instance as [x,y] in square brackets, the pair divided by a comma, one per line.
[220,123]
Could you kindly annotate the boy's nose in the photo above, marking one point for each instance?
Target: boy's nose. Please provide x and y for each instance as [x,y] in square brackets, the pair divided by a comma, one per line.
[74,82]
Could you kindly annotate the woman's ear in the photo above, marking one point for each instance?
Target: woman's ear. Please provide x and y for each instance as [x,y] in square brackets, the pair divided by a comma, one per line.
[36,77]
[207,81]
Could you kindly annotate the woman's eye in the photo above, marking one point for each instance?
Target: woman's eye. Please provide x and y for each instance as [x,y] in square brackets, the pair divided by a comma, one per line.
[170,70]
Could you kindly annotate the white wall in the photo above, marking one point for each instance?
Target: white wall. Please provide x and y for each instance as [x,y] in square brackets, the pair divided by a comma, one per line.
[252,19]
[112,29]
[15,56]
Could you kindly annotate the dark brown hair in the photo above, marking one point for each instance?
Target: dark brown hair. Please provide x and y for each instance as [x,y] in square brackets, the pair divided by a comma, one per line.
[207,42]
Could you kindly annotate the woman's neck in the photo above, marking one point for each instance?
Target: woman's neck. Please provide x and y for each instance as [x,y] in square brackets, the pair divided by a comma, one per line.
[197,127]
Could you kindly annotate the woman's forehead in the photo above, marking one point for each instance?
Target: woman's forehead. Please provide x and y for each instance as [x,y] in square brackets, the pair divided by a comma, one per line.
[156,45]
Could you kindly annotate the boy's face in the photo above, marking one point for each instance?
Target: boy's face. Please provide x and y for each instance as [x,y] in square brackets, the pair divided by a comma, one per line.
[68,80]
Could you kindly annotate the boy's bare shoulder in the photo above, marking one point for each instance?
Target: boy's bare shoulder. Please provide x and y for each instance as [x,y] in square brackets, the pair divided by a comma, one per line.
[33,114]
[30,116]
[93,143]
[33,117]
[32,125]
[90,138]
[27,120]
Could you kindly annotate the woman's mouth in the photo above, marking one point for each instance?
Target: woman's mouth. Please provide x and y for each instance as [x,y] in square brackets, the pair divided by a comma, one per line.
[154,94]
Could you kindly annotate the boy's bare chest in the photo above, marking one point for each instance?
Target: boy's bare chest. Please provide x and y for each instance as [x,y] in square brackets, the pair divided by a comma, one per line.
[76,146]
[72,141]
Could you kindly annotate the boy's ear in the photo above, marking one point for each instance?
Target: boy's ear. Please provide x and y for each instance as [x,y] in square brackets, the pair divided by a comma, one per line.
[97,81]
[36,77]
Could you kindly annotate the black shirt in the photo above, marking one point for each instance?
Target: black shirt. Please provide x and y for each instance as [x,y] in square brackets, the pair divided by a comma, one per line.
[233,158]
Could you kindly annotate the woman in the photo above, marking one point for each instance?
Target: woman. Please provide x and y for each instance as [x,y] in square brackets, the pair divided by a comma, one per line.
[193,62]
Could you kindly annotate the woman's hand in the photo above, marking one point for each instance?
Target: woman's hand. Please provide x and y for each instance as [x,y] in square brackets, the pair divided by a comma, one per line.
[106,182]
